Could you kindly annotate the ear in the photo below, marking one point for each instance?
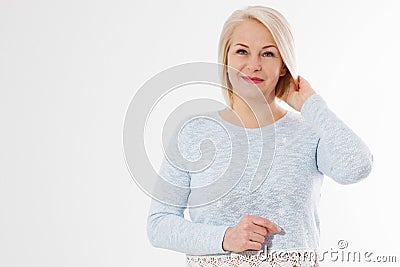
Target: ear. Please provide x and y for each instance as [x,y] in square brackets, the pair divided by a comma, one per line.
[283,71]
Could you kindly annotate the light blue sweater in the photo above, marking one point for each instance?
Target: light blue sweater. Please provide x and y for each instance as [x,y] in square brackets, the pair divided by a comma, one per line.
[281,181]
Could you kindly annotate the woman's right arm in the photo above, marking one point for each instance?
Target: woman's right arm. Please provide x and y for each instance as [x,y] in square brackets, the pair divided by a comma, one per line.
[167,228]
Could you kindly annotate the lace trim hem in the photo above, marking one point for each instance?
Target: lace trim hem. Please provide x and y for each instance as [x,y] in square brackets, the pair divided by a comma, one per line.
[296,259]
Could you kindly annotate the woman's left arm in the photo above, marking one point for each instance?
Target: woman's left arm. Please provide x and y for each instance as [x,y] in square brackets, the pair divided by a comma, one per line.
[341,154]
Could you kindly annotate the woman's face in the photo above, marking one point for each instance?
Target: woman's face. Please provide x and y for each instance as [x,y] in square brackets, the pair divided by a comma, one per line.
[254,54]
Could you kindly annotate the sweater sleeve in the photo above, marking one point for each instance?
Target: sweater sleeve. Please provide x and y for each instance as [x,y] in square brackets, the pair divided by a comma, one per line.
[340,154]
[168,228]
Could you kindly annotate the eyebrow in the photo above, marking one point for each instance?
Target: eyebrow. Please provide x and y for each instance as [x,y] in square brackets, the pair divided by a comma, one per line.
[271,45]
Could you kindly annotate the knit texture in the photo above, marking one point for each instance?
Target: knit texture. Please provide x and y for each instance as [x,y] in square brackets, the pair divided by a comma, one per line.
[274,171]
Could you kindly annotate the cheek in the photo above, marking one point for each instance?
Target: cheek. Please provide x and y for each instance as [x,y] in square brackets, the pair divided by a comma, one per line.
[272,68]
[234,62]
[234,68]
[232,75]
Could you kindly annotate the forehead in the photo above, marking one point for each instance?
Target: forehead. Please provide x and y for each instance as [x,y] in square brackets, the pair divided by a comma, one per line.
[252,32]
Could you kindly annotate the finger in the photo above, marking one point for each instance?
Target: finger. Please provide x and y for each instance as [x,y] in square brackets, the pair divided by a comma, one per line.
[271,227]
[253,246]
[259,229]
[257,238]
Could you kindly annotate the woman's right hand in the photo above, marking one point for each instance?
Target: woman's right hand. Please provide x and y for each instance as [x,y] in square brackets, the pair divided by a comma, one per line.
[248,234]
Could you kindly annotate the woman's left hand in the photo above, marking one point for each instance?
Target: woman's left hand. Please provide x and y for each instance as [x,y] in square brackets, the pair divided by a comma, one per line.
[296,96]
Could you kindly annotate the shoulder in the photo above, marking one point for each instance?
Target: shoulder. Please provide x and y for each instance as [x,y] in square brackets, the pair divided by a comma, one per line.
[198,124]
[197,132]
[294,119]
[295,123]
[193,128]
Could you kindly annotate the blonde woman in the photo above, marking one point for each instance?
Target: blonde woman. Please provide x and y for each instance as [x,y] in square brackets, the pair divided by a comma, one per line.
[257,51]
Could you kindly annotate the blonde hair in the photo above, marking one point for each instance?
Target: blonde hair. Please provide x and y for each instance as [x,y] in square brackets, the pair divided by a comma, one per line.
[282,34]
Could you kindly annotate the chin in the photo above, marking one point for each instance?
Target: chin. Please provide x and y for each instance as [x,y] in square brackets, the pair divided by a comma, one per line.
[251,93]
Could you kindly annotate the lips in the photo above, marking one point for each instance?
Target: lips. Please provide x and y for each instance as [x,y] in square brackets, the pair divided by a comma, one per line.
[252,79]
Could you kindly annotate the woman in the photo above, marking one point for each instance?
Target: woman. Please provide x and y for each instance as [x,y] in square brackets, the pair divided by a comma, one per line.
[271,205]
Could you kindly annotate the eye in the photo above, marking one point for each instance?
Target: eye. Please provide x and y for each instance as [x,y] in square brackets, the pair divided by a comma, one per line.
[268,54]
[241,52]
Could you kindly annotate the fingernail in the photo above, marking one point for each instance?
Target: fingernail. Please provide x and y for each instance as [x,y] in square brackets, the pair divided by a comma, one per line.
[279,229]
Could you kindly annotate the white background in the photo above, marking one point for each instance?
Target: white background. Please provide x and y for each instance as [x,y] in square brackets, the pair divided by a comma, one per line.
[68,70]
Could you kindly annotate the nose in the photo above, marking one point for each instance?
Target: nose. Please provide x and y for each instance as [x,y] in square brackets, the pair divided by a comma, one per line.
[254,63]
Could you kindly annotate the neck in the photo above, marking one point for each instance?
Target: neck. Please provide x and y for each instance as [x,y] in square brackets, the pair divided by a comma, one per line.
[255,113]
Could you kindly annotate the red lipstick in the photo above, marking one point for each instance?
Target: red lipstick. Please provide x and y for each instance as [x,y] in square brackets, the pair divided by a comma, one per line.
[252,79]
